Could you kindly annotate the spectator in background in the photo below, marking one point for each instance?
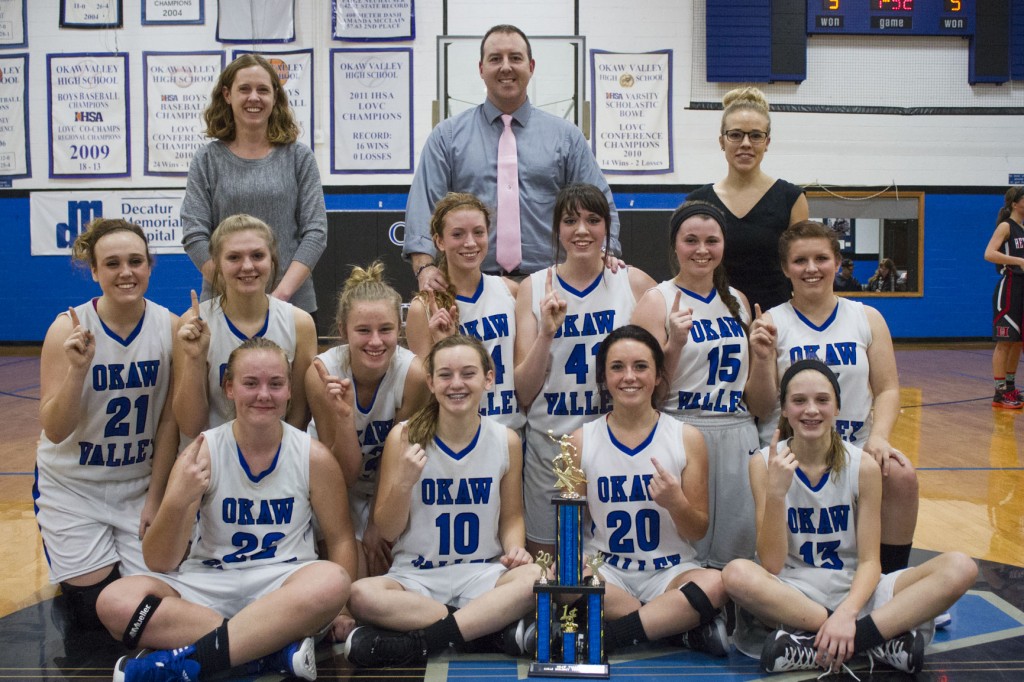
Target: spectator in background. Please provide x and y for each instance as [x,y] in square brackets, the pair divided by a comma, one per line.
[845,281]
[885,278]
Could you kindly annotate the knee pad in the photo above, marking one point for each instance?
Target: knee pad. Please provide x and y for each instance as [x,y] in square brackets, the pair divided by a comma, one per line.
[139,620]
[699,601]
[81,601]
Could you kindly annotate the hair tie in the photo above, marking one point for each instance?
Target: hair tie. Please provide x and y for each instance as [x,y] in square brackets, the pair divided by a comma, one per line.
[693,208]
[808,363]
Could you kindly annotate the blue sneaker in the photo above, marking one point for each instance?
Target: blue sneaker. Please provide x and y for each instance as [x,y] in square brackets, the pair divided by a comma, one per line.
[297,659]
[169,665]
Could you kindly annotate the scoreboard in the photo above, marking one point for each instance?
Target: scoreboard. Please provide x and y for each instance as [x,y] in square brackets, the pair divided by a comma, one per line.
[892,17]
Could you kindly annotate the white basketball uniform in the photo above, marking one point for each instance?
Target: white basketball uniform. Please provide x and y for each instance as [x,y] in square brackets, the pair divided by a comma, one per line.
[373,424]
[490,316]
[90,487]
[225,337]
[570,395]
[707,392]
[841,342]
[454,517]
[635,535]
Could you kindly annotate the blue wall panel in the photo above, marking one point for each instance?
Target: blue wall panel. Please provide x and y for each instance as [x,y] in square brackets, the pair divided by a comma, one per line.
[957,297]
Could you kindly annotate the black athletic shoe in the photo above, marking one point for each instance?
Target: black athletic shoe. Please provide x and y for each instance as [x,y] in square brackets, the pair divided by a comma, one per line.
[788,651]
[519,638]
[709,638]
[369,647]
[905,652]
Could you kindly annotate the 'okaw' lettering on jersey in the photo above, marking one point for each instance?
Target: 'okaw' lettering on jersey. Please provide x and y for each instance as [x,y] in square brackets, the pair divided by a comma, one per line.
[246,512]
[598,322]
[116,377]
[466,490]
[375,432]
[613,488]
[841,353]
[830,519]
[712,330]
[487,327]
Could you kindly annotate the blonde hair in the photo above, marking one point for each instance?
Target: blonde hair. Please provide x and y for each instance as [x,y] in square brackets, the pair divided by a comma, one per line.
[422,427]
[84,248]
[365,285]
[254,343]
[234,224]
[745,98]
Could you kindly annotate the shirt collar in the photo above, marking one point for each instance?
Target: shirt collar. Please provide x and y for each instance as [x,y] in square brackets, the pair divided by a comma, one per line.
[520,115]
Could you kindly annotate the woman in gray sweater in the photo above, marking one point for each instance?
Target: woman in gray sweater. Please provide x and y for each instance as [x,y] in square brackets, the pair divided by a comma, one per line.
[255,165]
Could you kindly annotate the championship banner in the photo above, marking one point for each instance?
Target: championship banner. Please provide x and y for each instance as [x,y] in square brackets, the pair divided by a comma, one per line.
[176,90]
[631,95]
[15,161]
[57,218]
[88,108]
[13,20]
[295,69]
[266,21]
[371,110]
[91,14]
[372,20]
[173,12]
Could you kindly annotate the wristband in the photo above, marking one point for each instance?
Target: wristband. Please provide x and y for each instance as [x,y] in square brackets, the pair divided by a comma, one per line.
[422,268]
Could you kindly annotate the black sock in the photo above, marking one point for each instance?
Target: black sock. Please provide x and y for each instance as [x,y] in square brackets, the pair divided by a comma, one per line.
[212,651]
[625,631]
[894,557]
[866,635]
[443,634]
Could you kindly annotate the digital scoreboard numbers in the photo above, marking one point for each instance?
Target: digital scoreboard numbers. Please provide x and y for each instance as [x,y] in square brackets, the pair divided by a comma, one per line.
[891,17]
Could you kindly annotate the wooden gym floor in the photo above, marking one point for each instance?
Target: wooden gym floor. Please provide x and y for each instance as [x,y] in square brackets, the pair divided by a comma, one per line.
[971,471]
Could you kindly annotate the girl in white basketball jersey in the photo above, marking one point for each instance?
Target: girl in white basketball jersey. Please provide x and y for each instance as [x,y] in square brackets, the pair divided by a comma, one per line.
[244,255]
[450,497]
[854,341]
[818,503]
[240,501]
[562,315]
[108,438]
[358,391]
[475,304]
[701,323]
[646,490]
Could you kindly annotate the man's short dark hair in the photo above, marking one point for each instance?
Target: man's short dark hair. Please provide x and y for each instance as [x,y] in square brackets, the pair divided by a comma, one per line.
[506,28]
[847,263]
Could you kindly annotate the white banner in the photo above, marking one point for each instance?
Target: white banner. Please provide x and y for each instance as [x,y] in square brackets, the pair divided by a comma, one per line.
[173,12]
[13,18]
[177,89]
[14,155]
[266,21]
[373,20]
[88,107]
[90,14]
[57,218]
[631,95]
[295,69]
[371,107]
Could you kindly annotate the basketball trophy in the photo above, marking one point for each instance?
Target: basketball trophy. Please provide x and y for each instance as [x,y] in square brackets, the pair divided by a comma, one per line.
[582,644]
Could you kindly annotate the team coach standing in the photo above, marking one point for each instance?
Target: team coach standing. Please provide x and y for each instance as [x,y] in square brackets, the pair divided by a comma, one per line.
[512,156]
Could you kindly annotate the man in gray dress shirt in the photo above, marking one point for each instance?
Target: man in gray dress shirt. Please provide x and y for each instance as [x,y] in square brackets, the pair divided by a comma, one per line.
[461,156]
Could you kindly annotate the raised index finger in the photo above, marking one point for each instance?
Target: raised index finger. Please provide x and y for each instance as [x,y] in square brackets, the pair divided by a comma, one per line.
[657,466]
[195,304]
[431,303]
[321,369]
[74,318]
[675,304]
[773,447]
[548,282]
[757,311]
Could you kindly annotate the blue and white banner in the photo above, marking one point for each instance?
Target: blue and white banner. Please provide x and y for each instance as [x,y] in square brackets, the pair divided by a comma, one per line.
[295,69]
[88,108]
[631,96]
[15,161]
[266,21]
[371,110]
[373,20]
[176,90]
[173,12]
[13,20]
[57,218]
[91,14]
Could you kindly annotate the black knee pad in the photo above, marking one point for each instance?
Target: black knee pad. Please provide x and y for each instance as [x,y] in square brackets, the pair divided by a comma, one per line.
[81,601]
[699,601]
[139,620]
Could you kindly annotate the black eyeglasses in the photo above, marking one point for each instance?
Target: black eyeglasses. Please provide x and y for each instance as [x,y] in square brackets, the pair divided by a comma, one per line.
[736,136]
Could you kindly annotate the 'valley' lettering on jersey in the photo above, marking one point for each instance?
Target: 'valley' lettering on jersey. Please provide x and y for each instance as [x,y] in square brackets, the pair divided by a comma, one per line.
[113,454]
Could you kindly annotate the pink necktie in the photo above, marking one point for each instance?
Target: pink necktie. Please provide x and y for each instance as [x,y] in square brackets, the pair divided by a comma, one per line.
[510,249]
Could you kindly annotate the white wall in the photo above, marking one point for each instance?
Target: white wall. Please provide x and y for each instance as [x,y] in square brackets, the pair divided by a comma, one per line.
[836,149]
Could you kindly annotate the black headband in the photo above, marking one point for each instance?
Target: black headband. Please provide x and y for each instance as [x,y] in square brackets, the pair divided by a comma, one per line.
[691,208]
[809,363]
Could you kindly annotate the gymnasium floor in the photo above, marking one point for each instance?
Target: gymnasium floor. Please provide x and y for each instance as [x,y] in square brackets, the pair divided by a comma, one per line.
[971,473]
